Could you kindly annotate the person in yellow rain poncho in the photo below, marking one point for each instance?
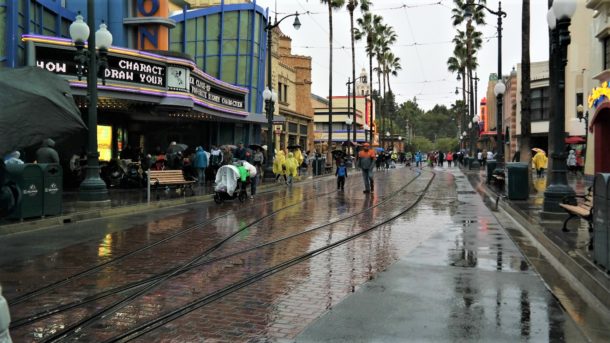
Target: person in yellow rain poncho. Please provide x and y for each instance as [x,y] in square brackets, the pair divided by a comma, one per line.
[299,156]
[279,165]
[292,165]
[539,162]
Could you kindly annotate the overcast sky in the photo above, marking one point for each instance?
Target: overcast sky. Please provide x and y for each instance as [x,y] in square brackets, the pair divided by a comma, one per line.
[424,44]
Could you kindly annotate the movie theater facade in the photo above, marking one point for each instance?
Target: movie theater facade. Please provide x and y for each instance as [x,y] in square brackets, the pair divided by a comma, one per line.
[152,94]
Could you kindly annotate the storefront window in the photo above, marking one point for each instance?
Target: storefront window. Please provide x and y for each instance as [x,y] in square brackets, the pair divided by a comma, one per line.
[292,127]
[104,142]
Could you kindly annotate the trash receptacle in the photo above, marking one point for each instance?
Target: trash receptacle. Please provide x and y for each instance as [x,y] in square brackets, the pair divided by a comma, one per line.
[318,166]
[490,166]
[52,176]
[600,219]
[28,178]
[518,183]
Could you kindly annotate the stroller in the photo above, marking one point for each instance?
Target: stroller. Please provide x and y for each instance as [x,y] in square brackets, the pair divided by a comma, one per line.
[228,185]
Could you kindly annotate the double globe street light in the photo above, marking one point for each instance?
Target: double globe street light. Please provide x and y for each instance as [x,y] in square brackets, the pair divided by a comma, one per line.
[92,189]
[559,19]
[269,95]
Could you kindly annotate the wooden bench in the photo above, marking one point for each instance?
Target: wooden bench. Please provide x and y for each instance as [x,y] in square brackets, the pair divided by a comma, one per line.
[582,209]
[168,178]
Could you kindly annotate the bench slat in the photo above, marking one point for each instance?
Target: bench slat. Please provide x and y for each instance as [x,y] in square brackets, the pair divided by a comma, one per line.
[581,211]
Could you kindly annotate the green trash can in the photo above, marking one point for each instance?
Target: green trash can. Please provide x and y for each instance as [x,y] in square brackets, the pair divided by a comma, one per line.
[518,183]
[52,175]
[490,167]
[28,178]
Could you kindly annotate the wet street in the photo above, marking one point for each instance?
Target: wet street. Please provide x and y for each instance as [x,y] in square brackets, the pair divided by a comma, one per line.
[420,259]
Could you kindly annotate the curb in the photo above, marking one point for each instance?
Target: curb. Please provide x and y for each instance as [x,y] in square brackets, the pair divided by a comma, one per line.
[44,223]
[580,272]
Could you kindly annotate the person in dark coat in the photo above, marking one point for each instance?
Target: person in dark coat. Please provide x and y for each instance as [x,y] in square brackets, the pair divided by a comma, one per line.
[46,153]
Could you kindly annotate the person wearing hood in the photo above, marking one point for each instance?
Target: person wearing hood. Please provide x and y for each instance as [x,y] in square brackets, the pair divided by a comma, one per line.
[200,164]
[292,166]
[571,161]
[13,158]
[539,162]
[46,153]
[279,165]
[299,157]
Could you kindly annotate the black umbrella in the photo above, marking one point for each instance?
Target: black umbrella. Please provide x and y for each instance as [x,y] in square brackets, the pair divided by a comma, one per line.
[36,104]
[255,147]
[350,143]
[294,146]
[176,148]
[338,152]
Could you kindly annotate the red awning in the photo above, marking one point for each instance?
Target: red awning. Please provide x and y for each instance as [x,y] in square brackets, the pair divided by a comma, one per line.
[575,140]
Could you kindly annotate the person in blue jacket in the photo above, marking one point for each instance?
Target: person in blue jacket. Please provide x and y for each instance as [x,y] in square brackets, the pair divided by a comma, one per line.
[201,162]
[418,158]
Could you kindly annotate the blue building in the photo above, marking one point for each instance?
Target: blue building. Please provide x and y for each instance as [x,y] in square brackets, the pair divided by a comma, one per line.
[209,68]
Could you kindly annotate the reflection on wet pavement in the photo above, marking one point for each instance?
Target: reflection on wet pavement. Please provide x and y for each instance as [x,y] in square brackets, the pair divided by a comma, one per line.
[455,255]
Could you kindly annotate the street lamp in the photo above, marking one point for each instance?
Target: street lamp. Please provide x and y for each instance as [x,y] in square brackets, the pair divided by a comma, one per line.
[348,123]
[93,188]
[499,90]
[387,138]
[559,22]
[269,95]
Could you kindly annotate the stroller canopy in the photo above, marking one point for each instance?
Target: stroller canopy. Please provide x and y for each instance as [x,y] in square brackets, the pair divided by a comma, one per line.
[226,179]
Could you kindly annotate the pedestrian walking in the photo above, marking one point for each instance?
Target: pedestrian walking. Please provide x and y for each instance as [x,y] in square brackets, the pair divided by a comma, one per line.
[366,161]
[480,157]
[215,160]
[46,153]
[258,160]
[200,164]
[279,166]
[441,159]
[539,162]
[341,174]
[571,162]
[490,155]
[292,166]
[418,159]
[449,158]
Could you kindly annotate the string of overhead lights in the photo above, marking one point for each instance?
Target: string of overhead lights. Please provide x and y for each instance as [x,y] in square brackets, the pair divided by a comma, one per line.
[343,47]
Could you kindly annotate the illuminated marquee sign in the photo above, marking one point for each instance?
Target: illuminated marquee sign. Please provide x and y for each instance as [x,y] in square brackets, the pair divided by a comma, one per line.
[120,68]
[208,91]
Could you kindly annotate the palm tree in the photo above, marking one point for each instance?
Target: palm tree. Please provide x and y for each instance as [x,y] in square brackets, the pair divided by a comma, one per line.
[391,66]
[457,64]
[526,120]
[385,38]
[458,11]
[332,5]
[351,7]
[368,24]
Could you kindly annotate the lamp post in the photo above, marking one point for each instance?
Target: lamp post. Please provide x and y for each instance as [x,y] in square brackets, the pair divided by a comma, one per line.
[387,136]
[269,95]
[93,188]
[366,130]
[499,13]
[559,21]
[348,123]
[499,90]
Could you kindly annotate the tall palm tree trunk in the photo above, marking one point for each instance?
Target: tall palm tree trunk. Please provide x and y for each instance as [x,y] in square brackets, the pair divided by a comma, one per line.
[351,21]
[371,124]
[330,78]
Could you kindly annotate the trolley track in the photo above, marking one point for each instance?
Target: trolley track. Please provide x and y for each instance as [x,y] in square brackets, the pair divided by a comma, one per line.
[146,285]
[52,286]
[151,325]
[172,272]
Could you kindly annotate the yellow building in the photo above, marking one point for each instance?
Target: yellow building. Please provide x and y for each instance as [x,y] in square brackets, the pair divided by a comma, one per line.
[291,80]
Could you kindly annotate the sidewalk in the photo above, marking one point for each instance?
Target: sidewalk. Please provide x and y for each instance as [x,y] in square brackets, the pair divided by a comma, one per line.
[123,201]
[469,281]
[570,249]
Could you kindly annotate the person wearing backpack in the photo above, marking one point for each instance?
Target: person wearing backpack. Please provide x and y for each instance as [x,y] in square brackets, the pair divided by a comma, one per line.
[341,174]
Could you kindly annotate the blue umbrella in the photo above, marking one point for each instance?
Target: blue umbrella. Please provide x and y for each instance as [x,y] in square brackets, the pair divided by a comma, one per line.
[379,149]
